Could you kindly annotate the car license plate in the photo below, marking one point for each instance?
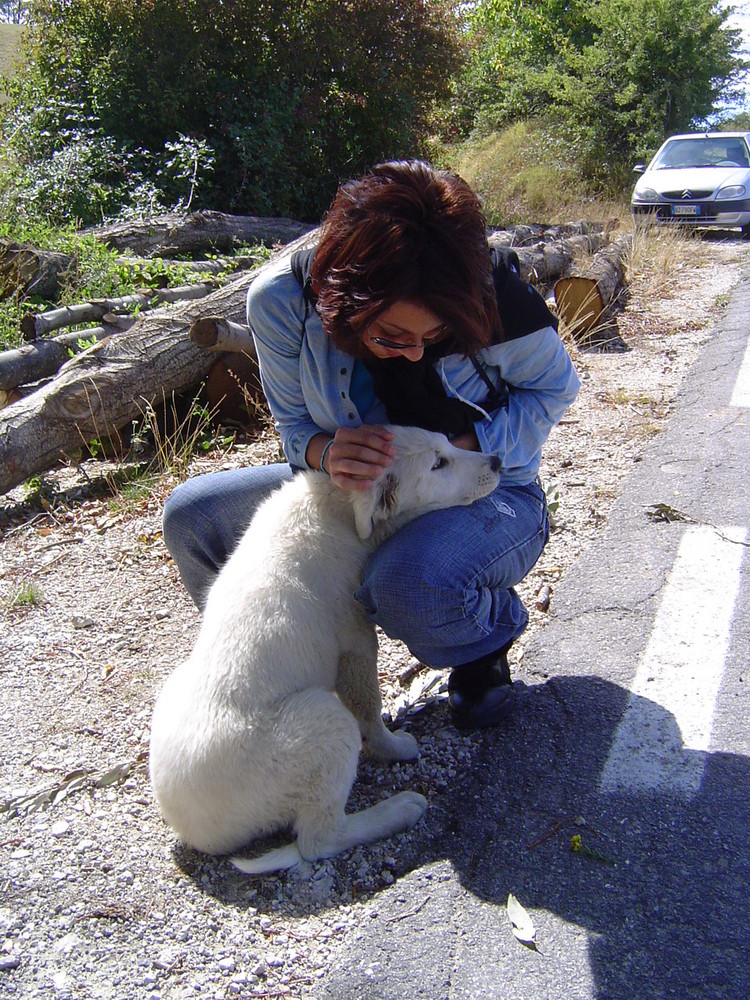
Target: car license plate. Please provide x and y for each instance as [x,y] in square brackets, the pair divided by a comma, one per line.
[686,210]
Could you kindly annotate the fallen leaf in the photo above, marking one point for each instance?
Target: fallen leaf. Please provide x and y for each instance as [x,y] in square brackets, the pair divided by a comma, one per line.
[521,923]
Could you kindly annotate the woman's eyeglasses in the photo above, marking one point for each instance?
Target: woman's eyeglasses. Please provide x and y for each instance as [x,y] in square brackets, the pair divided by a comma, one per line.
[394,345]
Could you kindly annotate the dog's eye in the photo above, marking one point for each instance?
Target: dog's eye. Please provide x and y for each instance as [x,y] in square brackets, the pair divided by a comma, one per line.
[440,463]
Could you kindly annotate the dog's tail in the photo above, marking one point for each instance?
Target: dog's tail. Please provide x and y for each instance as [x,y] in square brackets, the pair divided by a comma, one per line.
[272,861]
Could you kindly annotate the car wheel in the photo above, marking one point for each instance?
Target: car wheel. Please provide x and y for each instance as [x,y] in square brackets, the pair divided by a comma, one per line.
[746,232]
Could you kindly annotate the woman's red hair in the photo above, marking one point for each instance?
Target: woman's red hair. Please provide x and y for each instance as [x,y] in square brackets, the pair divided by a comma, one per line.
[406,232]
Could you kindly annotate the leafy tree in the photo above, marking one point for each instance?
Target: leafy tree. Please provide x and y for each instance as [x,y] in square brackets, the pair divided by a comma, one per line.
[617,75]
[654,67]
[286,96]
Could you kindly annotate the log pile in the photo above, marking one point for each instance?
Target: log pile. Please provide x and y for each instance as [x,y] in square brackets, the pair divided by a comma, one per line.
[98,393]
[172,348]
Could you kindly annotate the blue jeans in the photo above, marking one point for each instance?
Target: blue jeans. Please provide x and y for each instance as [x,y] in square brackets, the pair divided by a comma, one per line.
[443,584]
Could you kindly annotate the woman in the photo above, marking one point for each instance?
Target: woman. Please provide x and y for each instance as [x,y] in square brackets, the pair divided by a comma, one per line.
[401,314]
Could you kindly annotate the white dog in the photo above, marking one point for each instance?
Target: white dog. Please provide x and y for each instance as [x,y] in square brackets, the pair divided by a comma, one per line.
[261,727]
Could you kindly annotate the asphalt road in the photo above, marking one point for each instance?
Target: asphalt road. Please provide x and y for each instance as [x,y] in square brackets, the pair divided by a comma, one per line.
[632,733]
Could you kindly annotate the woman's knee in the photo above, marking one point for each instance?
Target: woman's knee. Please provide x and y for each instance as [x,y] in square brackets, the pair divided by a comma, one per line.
[177,515]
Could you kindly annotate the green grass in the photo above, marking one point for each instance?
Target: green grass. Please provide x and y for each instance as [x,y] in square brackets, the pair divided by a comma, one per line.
[10,44]
[27,595]
[526,173]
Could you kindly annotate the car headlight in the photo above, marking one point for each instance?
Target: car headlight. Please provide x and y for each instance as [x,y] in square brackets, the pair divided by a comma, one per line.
[645,194]
[731,191]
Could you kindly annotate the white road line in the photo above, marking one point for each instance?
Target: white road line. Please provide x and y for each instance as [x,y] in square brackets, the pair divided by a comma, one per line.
[741,392]
[661,742]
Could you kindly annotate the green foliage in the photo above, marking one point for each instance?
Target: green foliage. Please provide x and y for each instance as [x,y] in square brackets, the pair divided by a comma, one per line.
[614,76]
[97,271]
[236,106]
[739,122]
[656,67]
[527,172]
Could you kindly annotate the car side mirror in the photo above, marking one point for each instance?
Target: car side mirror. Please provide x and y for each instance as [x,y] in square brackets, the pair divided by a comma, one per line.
[639,168]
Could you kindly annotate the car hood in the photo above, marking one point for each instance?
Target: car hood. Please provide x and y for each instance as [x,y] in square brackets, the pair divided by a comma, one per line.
[693,178]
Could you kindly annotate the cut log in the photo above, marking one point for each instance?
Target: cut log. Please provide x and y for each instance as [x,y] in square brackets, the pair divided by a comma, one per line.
[587,302]
[233,387]
[102,390]
[201,232]
[24,270]
[37,325]
[214,333]
[37,361]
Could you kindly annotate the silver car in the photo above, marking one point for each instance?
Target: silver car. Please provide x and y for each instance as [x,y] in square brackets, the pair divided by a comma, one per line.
[699,179]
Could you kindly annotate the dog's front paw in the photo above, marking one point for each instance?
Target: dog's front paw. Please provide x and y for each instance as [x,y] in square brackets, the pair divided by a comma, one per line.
[410,807]
[388,746]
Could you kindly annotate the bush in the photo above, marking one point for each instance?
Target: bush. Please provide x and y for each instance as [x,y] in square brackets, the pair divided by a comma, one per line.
[280,100]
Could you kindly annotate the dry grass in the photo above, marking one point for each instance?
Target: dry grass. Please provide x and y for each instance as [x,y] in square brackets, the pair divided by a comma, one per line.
[10,43]
[525,174]
[660,254]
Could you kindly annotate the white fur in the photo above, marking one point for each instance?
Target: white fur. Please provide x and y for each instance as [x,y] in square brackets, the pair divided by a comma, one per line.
[261,727]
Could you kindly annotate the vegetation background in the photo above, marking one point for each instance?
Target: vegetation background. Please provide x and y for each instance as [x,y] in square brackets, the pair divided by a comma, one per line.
[112,109]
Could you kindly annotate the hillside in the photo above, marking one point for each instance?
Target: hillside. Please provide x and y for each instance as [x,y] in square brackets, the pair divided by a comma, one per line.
[10,44]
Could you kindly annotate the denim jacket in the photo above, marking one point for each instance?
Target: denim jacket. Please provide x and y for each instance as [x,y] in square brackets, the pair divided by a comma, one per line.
[306,380]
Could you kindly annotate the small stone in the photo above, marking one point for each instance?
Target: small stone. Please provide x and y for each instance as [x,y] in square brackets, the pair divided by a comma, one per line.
[227,964]
[79,622]
[60,828]
[59,980]
[67,944]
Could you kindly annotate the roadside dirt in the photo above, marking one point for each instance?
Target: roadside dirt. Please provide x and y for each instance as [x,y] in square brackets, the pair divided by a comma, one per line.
[96,897]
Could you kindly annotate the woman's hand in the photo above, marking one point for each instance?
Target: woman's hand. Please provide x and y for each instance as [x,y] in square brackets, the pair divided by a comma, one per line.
[356,456]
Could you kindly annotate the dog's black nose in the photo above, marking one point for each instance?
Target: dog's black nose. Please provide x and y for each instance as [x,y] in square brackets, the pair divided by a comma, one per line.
[495,463]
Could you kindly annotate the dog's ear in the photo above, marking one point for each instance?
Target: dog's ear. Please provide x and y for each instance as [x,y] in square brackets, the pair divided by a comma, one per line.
[373,506]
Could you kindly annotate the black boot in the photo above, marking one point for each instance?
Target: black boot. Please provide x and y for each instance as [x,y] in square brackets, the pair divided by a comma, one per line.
[481,693]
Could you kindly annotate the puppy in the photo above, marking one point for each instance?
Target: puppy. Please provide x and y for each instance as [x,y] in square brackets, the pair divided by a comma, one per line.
[262,726]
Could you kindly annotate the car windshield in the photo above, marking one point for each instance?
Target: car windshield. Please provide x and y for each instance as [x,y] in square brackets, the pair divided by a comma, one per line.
[719,152]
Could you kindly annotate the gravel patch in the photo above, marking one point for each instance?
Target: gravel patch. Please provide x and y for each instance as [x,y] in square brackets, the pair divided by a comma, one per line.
[97,898]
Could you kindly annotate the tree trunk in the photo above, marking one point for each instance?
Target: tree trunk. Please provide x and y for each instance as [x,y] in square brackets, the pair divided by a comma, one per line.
[33,362]
[24,270]
[102,390]
[201,232]
[587,302]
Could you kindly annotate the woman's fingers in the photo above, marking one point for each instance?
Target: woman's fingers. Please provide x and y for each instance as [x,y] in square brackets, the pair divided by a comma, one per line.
[358,455]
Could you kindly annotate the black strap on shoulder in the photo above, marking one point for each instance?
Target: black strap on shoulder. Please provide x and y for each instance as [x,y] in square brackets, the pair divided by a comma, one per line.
[522,309]
[301,269]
